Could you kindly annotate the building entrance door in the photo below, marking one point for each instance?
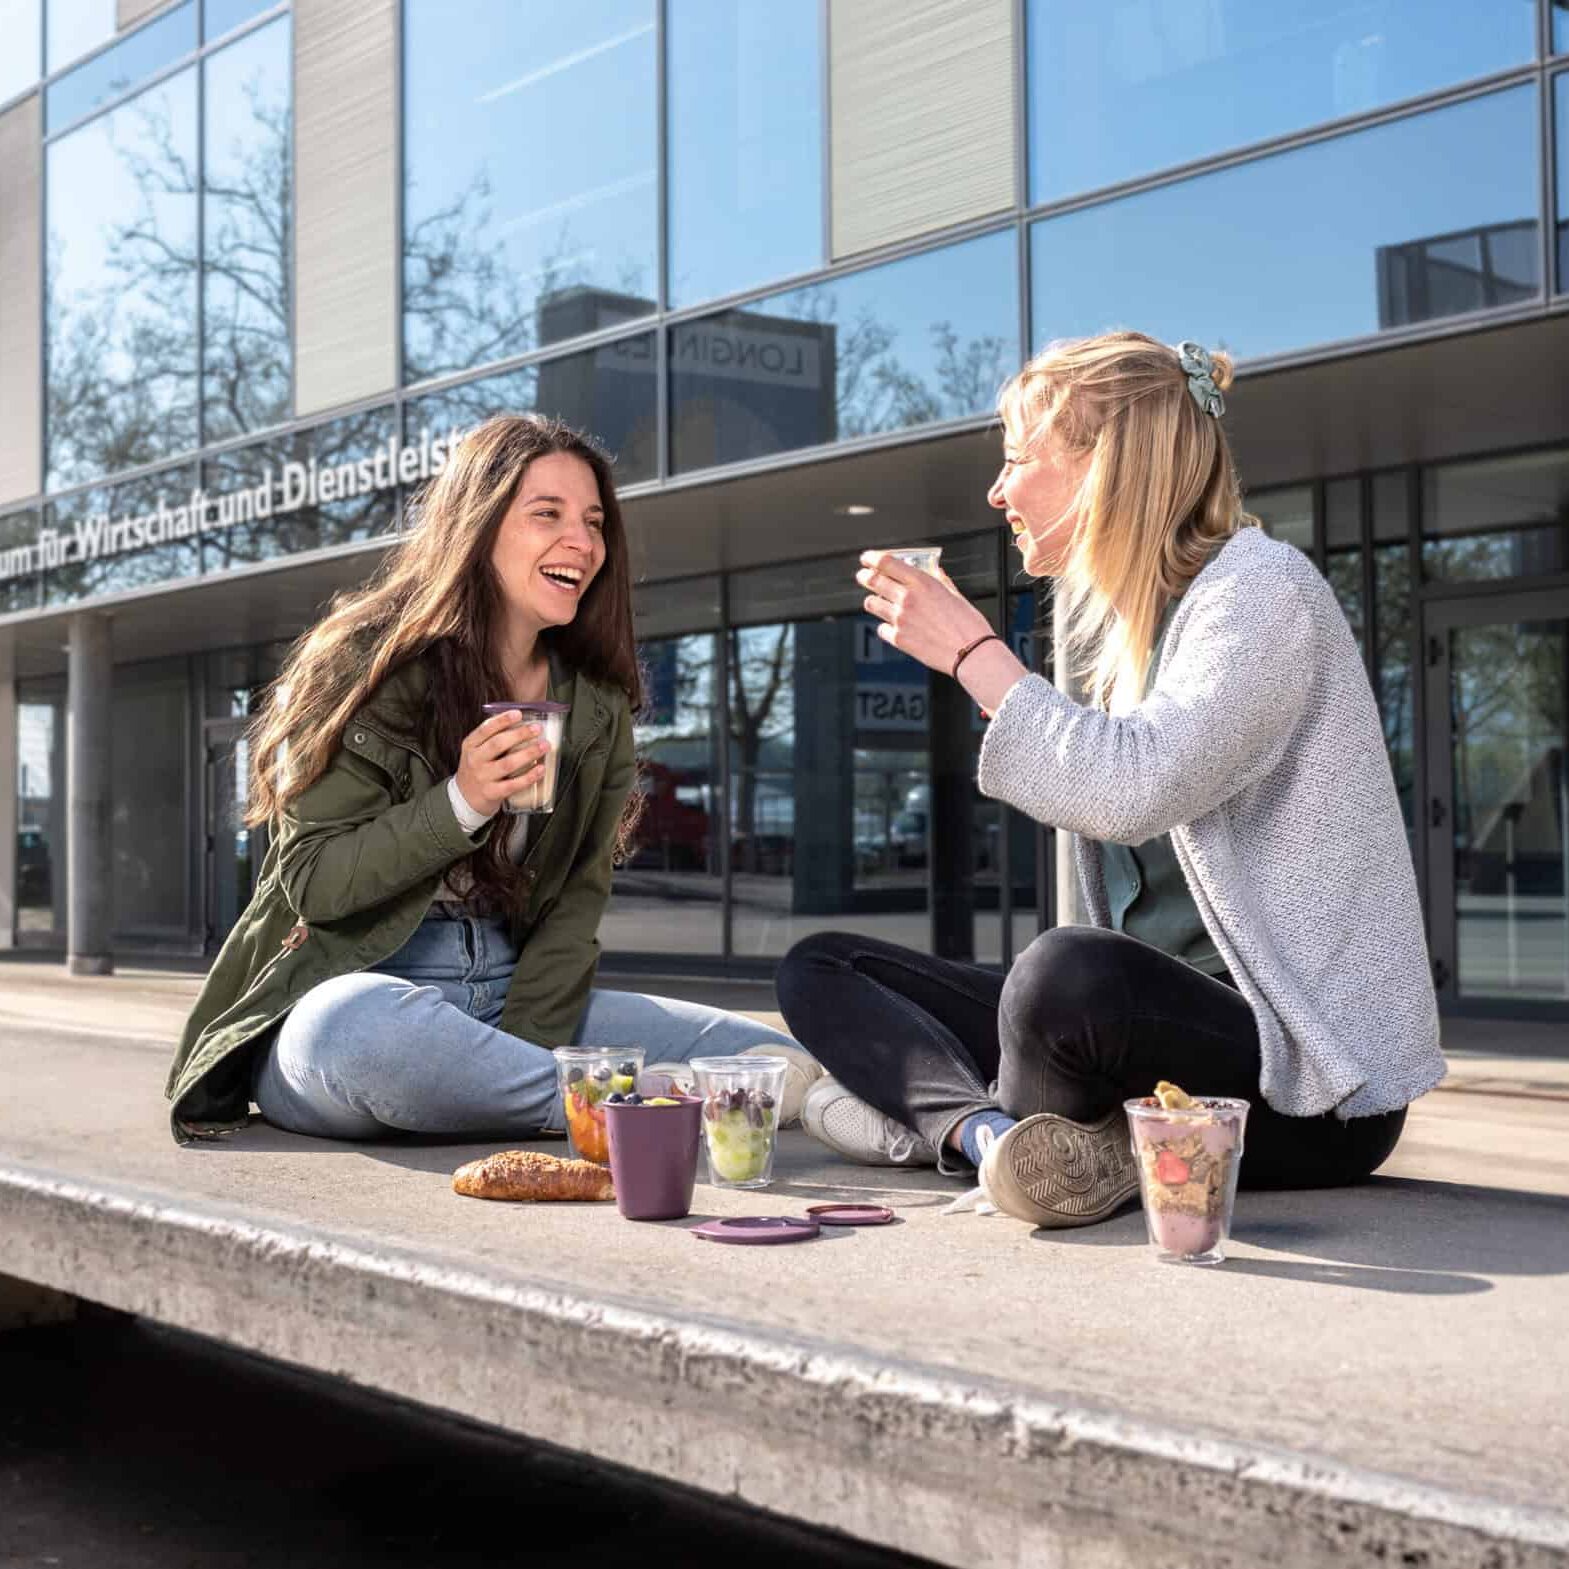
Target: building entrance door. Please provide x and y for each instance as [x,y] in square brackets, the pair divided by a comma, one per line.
[234,852]
[1497,816]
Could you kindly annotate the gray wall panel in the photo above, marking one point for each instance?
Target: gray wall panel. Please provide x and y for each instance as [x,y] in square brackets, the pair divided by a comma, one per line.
[921,116]
[346,171]
[21,298]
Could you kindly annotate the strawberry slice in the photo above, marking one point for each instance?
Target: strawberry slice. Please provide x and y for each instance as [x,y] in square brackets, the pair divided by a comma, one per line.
[1172,1169]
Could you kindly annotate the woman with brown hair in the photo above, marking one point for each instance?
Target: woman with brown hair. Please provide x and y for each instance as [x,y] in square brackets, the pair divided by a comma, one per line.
[412,952]
[1253,922]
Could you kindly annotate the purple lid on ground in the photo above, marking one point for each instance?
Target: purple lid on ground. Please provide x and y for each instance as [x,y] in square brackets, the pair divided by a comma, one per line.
[758,1228]
[525,708]
[850,1214]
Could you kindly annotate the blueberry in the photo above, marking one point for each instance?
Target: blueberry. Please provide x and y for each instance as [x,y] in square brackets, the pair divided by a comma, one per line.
[602,1073]
[634,1099]
[765,1100]
[628,1069]
[616,1098]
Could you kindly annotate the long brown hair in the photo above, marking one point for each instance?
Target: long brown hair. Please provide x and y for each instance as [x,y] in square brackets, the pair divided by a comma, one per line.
[437,597]
[1159,493]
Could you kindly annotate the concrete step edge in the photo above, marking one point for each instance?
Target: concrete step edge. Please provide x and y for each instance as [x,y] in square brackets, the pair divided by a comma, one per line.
[912,1457]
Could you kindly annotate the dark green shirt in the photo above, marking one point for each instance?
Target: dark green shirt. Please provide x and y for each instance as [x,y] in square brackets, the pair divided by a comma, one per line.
[1145,888]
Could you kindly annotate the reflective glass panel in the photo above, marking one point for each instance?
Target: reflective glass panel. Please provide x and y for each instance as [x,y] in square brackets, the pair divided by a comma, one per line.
[1500,517]
[1511,808]
[19,562]
[927,338]
[248,234]
[75,27]
[1343,548]
[1407,222]
[116,538]
[1286,514]
[1392,667]
[150,832]
[1561,121]
[21,61]
[667,898]
[121,290]
[1560,26]
[40,809]
[609,393]
[746,146]
[136,57]
[530,168]
[223,16]
[1117,91]
[329,485]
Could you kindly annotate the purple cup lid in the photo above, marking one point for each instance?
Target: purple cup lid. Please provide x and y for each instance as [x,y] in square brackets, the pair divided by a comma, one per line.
[525,708]
[758,1228]
[850,1214]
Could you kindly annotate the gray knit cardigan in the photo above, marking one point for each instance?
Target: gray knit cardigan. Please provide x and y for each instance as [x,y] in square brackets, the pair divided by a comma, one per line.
[1259,750]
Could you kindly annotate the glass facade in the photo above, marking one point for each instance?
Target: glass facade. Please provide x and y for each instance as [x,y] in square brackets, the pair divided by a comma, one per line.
[506,247]
[21,25]
[76,27]
[1116,92]
[745,85]
[1412,221]
[114,71]
[929,338]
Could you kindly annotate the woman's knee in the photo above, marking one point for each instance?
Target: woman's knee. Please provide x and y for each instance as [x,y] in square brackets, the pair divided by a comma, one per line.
[336,1020]
[1067,975]
[803,969]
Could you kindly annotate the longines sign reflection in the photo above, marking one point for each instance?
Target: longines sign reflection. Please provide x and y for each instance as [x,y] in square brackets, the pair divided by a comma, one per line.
[290,488]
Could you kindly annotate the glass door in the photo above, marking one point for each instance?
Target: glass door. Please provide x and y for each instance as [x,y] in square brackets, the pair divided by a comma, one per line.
[234,852]
[1498,851]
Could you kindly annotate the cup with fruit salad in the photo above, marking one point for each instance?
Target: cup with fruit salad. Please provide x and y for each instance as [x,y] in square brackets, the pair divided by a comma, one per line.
[588,1076]
[741,1097]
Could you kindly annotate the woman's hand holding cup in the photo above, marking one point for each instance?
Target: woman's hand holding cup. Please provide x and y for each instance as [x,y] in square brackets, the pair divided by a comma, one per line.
[500,757]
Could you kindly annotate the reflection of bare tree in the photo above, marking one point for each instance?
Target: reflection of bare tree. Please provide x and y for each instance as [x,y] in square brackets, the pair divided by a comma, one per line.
[759,694]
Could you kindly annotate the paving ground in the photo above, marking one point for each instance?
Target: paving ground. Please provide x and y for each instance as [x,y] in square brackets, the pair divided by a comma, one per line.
[1413,1328]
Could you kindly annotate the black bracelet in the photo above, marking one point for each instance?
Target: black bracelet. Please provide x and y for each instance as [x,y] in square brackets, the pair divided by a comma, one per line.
[969,648]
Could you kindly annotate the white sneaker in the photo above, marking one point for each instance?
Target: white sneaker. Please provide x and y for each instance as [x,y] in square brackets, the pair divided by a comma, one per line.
[849,1127]
[803,1072]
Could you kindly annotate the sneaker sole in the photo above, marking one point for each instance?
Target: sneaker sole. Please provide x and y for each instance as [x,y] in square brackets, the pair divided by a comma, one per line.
[1068,1173]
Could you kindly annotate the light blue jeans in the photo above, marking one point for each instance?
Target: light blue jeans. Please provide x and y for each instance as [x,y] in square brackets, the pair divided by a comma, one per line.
[412,1045]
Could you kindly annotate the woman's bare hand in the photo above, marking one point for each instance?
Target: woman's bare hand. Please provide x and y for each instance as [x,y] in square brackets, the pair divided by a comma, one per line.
[500,757]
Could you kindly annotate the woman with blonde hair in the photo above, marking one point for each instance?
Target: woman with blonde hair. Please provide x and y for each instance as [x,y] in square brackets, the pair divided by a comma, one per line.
[1254,926]
[412,952]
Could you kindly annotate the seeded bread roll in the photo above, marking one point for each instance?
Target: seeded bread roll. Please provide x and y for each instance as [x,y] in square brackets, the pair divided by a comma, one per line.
[530,1176]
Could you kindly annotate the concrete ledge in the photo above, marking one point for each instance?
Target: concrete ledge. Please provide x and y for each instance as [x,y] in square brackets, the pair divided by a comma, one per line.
[968,1471]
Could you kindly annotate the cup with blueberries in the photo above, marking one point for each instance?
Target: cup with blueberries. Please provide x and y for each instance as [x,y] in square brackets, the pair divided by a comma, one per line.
[740,1098]
[588,1076]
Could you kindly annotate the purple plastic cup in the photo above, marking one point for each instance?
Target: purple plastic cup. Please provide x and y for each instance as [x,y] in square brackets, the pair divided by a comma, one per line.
[653,1157]
[551,719]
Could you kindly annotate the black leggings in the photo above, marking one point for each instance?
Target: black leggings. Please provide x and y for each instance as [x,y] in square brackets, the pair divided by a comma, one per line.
[1084,1020]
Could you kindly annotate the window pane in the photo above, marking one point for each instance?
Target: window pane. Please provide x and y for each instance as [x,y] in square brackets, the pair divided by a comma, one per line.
[1392,667]
[150,836]
[928,338]
[124,537]
[1391,505]
[40,809]
[77,26]
[19,563]
[1402,223]
[1560,26]
[746,151]
[1561,120]
[248,233]
[327,486]
[223,16]
[1120,91]
[530,197]
[21,59]
[1343,548]
[667,898]
[107,75]
[1501,517]
[609,392]
[1286,514]
[121,303]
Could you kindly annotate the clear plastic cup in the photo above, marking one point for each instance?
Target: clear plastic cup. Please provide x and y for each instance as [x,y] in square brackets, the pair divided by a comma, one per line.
[587,1075]
[1188,1161]
[741,1097]
[551,719]
[923,558]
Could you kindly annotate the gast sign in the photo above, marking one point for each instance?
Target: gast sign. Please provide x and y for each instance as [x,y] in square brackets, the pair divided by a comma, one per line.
[296,485]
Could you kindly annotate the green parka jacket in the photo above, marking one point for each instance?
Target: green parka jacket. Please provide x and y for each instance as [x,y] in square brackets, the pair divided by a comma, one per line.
[354,864]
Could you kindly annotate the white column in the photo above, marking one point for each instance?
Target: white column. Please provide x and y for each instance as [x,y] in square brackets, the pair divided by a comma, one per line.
[89,778]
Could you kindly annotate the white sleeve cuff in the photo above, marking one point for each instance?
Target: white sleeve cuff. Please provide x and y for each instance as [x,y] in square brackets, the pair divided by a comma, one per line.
[469,820]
